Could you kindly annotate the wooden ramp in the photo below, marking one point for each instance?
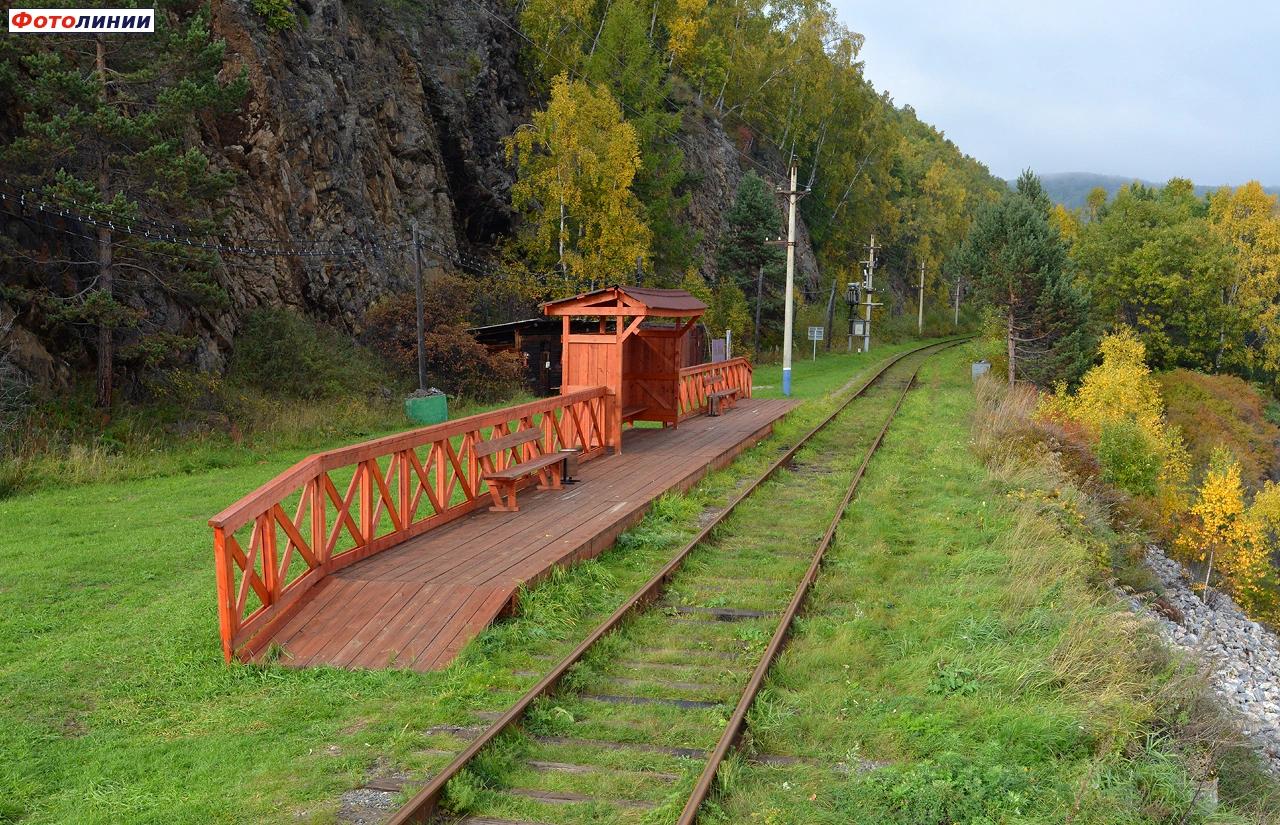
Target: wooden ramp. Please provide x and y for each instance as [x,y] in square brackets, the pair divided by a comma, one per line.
[417,604]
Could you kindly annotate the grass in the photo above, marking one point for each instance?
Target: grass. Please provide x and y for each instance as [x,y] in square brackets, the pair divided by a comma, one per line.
[161,442]
[118,707]
[960,662]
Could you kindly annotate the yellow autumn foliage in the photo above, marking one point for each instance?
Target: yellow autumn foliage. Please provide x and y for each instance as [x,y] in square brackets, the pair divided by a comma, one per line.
[1230,538]
[575,167]
[683,27]
[1122,388]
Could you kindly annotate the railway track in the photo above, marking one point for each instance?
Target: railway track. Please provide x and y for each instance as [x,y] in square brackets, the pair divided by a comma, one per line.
[617,729]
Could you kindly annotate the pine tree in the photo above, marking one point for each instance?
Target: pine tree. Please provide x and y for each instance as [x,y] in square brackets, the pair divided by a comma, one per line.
[106,125]
[1017,263]
[746,256]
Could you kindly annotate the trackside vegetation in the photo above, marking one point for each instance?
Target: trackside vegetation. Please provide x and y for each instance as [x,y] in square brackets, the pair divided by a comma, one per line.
[963,660]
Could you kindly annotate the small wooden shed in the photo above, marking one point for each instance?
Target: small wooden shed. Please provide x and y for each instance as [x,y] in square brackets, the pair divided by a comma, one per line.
[637,358]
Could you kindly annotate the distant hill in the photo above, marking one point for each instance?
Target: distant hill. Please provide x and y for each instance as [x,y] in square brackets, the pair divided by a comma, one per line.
[1071,188]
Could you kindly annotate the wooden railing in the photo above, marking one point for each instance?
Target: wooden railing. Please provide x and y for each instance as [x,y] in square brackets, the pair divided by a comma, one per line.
[695,386]
[335,508]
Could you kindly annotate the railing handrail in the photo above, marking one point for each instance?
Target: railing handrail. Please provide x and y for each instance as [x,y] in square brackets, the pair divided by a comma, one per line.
[712,365]
[694,388]
[252,505]
[400,486]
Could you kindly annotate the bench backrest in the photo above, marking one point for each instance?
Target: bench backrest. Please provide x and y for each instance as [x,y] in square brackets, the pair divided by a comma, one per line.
[506,442]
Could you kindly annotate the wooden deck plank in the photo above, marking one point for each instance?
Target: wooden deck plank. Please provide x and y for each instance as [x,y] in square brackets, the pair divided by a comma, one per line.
[386,645]
[417,605]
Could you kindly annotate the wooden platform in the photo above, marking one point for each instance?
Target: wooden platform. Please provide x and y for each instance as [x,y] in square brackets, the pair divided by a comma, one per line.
[417,604]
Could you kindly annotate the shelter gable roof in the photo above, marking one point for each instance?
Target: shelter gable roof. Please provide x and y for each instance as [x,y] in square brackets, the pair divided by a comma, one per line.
[672,303]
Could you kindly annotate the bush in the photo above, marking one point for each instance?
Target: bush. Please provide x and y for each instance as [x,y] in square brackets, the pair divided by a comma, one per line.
[278,14]
[1221,410]
[1127,458]
[282,353]
[456,362]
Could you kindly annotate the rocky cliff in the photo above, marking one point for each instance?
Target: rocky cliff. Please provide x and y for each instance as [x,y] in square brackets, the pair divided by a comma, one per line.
[363,118]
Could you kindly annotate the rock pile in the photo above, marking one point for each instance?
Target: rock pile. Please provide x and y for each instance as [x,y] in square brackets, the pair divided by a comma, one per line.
[1241,657]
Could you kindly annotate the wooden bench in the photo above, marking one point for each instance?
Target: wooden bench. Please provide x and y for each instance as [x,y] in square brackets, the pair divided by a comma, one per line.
[718,398]
[629,414]
[502,483]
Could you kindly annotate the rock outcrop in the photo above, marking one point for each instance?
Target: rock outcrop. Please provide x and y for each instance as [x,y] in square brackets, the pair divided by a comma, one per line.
[366,117]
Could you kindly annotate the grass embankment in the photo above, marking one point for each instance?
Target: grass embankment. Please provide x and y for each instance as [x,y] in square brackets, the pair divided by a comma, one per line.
[118,708]
[959,648]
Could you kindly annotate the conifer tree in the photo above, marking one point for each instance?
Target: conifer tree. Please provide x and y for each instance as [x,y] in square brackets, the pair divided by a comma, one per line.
[1017,263]
[107,125]
[745,255]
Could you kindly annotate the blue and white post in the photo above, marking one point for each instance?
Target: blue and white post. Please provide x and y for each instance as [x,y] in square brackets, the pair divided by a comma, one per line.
[788,322]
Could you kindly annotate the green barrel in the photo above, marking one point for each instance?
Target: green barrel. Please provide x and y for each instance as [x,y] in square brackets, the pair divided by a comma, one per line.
[430,409]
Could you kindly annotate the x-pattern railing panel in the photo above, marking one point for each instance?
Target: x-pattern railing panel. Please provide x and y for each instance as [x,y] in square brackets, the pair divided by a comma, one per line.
[397,487]
[695,385]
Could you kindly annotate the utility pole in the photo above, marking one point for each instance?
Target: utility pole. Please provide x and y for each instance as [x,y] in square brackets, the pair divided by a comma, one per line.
[417,293]
[957,321]
[831,314]
[869,290]
[788,318]
[920,319]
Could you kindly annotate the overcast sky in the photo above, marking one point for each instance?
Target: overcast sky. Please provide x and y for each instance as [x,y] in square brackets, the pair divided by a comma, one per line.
[1127,87]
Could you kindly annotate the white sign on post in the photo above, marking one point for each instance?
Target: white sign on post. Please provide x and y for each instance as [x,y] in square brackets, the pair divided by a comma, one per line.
[815,335]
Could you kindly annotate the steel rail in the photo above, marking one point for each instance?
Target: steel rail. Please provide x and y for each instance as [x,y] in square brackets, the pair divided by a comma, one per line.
[737,722]
[424,805]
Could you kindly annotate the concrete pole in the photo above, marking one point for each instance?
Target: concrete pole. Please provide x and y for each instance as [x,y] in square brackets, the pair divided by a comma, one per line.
[920,320]
[788,318]
[870,290]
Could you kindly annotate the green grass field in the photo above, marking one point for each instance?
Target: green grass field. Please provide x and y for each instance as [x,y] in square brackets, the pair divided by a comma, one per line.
[959,662]
[970,671]
[118,708]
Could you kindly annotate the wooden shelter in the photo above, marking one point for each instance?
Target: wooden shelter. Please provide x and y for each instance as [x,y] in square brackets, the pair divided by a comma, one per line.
[637,358]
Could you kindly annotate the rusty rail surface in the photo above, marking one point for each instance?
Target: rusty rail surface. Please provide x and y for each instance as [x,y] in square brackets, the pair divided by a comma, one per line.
[424,805]
[695,385]
[733,730]
[335,508]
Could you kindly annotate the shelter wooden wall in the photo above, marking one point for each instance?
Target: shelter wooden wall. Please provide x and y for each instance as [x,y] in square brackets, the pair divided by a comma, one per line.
[591,361]
[651,374]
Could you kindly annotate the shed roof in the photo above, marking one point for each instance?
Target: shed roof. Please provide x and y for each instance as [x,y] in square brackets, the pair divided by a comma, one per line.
[637,300]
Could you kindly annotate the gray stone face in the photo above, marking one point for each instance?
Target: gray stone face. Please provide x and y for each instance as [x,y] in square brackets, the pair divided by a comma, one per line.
[362,118]
[1240,658]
